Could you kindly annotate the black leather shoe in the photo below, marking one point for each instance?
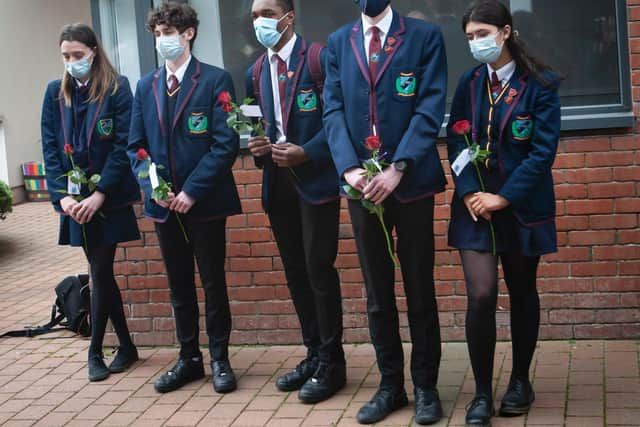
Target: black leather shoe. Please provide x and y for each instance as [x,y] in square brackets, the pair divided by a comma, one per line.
[295,379]
[183,372]
[324,383]
[479,411]
[518,398]
[224,380]
[384,402]
[428,406]
[124,359]
[98,371]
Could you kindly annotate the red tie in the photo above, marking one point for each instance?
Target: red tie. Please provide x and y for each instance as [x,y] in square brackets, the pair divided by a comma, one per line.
[173,84]
[496,85]
[375,47]
[282,86]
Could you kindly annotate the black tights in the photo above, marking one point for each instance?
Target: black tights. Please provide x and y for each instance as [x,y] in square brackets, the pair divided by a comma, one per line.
[106,302]
[481,275]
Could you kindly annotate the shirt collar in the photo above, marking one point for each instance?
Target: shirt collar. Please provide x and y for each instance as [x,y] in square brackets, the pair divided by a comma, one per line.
[80,84]
[180,71]
[505,72]
[286,51]
[384,25]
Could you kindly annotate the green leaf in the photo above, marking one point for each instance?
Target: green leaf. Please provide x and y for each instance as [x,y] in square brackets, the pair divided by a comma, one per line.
[247,101]
[61,191]
[160,167]
[351,192]
[143,174]
[369,205]
[95,178]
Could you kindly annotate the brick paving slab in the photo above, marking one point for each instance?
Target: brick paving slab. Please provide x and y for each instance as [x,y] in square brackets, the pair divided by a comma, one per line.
[43,380]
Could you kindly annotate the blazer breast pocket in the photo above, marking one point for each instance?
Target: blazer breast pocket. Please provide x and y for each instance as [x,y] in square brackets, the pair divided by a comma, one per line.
[105,127]
[522,127]
[307,100]
[197,122]
[404,83]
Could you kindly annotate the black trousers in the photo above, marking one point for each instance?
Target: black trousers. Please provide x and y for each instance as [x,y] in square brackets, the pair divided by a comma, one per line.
[307,238]
[207,244]
[413,223]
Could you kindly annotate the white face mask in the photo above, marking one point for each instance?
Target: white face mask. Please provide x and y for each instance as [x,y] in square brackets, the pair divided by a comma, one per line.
[267,30]
[80,69]
[486,49]
[169,47]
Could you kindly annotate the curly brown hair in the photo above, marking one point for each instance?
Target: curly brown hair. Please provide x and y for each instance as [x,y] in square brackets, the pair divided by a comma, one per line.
[172,14]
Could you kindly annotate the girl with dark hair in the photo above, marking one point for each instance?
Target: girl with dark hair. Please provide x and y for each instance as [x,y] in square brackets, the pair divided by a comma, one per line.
[85,122]
[504,205]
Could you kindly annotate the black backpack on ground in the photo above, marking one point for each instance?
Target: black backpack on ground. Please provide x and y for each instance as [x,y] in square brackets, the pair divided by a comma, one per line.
[73,299]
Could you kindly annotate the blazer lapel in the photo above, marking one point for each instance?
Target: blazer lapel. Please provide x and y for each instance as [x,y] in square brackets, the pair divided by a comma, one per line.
[392,43]
[187,87]
[296,61]
[159,86]
[357,44]
[93,111]
[513,96]
[66,120]
[477,86]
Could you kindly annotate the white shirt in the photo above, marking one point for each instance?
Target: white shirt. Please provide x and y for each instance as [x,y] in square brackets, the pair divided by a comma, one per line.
[384,26]
[179,72]
[285,55]
[80,84]
[504,73]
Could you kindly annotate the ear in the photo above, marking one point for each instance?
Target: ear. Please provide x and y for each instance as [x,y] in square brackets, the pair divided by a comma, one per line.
[189,33]
[506,32]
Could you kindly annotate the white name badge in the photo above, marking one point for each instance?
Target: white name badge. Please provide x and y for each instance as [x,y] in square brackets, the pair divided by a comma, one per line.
[251,111]
[461,162]
[153,176]
[73,188]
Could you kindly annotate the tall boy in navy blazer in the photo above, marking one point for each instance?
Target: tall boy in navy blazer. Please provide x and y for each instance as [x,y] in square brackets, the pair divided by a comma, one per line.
[387,72]
[300,195]
[177,119]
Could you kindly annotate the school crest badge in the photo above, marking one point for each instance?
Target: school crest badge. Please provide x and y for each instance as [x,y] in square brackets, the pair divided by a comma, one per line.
[198,123]
[105,127]
[307,101]
[522,128]
[406,84]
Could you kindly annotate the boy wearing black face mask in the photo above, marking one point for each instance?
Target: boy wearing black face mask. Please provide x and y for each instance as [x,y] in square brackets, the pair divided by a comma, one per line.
[300,192]
[387,76]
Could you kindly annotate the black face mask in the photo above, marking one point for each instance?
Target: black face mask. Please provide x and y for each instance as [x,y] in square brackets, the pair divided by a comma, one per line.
[372,8]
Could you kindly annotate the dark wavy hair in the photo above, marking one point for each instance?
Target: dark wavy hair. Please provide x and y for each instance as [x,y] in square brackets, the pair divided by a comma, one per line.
[172,14]
[495,13]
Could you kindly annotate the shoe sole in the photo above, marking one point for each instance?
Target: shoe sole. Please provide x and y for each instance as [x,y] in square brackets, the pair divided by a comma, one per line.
[169,389]
[514,411]
[224,390]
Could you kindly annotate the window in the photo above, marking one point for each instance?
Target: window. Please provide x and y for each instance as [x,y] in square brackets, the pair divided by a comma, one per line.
[590,47]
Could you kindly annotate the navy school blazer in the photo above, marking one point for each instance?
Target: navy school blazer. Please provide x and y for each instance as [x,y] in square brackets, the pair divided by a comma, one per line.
[107,128]
[407,101]
[526,146]
[197,149]
[317,180]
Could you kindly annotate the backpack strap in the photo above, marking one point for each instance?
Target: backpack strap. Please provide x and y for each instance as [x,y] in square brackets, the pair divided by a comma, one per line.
[255,77]
[315,66]
[38,330]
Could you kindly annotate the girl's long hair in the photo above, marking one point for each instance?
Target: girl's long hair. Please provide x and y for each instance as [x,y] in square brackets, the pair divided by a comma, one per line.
[495,13]
[104,77]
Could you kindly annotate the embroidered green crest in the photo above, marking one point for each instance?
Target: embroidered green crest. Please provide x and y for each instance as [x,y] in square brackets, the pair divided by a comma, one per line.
[522,128]
[198,123]
[406,84]
[307,101]
[105,127]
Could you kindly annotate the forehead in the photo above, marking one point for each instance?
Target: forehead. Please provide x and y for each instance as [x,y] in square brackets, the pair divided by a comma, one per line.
[475,27]
[263,5]
[164,28]
[73,46]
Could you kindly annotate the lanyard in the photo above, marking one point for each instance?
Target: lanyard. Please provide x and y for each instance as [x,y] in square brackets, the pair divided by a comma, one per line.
[492,104]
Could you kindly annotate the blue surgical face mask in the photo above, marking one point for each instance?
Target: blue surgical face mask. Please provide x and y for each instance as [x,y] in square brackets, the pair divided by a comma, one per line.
[372,8]
[486,49]
[169,47]
[267,31]
[79,69]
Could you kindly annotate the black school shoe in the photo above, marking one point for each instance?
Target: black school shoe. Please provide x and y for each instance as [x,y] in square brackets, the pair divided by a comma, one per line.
[224,380]
[326,381]
[98,371]
[124,359]
[295,379]
[518,398]
[383,403]
[183,372]
[428,405]
[479,411]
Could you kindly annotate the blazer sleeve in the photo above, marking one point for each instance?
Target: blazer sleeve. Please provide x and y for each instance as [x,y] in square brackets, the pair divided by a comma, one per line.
[544,145]
[52,153]
[137,140]
[117,162]
[467,182]
[340,144]
[223,150]
[317,148]
[422,133]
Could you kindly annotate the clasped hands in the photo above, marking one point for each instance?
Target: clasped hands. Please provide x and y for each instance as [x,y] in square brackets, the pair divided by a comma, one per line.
[379,188]
[284,155]
[82,212]
[484,204]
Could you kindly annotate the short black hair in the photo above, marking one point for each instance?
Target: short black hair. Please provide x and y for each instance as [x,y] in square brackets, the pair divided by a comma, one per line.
[286,5]
[172,14]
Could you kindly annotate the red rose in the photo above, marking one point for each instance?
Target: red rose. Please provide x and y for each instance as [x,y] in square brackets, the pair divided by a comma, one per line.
[373,142]
[227,108]
[462,127]
[224,98]
[68,149]
[142,154]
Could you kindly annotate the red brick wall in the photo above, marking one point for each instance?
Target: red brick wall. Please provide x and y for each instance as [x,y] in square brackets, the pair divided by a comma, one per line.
[589,289]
